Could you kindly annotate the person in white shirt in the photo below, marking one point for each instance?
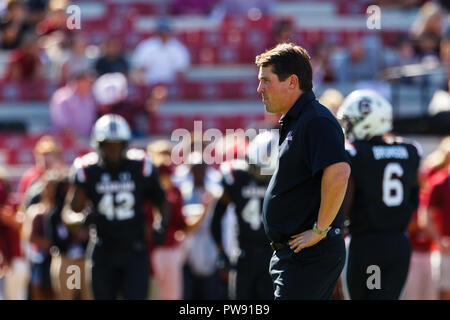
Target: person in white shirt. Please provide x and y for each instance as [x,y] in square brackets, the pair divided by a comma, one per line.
[160,59]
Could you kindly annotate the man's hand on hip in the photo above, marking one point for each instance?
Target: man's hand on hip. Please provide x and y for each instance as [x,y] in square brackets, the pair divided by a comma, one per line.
[304,240]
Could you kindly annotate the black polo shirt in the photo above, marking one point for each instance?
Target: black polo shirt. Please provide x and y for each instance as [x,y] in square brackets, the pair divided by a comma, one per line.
[310,140]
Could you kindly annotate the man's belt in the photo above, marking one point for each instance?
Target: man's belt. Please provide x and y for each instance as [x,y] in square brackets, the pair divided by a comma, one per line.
[277,246]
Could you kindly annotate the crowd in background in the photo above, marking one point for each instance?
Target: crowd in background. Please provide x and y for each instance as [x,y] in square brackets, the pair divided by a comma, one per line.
[35,245]
[41,48]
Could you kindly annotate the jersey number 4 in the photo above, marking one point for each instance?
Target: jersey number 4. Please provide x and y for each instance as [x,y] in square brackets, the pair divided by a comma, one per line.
[392,185]
[118,206]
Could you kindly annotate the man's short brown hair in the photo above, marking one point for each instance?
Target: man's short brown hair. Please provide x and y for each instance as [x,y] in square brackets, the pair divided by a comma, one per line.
[287,59]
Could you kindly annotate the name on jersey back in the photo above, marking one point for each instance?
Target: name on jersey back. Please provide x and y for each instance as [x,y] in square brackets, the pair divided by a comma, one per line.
[390,152]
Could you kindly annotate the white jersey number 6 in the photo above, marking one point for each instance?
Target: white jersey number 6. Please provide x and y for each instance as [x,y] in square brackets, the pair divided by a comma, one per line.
[392,186]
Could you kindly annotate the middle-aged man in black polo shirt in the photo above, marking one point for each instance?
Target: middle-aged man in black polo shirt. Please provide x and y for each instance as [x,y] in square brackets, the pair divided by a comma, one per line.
[305,194]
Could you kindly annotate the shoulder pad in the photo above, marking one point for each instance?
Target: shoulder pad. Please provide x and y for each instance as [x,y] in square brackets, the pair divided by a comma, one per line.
[141,156]
[80,164]
[88,159]
[418,147]
[350,148]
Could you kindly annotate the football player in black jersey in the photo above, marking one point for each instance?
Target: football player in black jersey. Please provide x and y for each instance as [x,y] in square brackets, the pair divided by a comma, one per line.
[115,182]
[244,185]
[381,197]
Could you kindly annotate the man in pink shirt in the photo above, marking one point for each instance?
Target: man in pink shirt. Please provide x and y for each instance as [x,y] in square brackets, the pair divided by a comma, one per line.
[72,107]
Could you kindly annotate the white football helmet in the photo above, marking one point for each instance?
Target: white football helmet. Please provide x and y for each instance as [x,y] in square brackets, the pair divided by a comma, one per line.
[365,114]
[110,127]
[263,151]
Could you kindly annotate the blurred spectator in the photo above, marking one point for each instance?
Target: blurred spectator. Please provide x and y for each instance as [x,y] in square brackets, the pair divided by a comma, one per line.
[282,32]
[423,275]
[436,161]
[427,29]
[192,6]
[37,231]
[36,11]
[405,53]
[111,94]
[440,102]
[434,196]
[55,18]
[239,7]
[14,25]
[332,99]
[76,60]
[439,204]
[112,59]
[201,277]
[160,59]
[55,50]
[25,62]
[358,63]
[72,107]
[427,45]
[5,255]
[47,155]
[323,70]
[428,20]
[167,260]
[69,248]
[441,77]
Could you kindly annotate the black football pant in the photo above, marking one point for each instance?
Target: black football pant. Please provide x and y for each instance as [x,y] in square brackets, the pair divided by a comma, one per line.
[251,278]
[310,274]
[390,254]
[119,272]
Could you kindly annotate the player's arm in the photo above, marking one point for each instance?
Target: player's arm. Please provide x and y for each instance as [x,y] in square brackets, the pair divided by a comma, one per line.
[76,202]
[216,223]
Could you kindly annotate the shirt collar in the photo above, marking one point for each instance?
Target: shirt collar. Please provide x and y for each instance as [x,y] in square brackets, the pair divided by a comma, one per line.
[299,105]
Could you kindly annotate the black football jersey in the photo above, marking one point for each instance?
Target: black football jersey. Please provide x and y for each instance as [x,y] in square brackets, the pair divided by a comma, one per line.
[385,179]
[247,194]
[117,197]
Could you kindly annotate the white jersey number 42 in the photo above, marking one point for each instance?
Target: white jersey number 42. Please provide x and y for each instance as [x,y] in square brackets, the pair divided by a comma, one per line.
[118,206]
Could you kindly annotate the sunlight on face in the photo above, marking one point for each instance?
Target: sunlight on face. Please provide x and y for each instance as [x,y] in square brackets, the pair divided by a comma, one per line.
[272,90]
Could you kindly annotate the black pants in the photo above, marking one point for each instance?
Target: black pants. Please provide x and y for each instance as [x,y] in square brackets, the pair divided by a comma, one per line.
[391,252]
[310,274]
[120,272]
[197,287]
[251,278]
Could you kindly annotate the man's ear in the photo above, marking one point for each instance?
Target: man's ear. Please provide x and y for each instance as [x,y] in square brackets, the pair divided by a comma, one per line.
[293,81]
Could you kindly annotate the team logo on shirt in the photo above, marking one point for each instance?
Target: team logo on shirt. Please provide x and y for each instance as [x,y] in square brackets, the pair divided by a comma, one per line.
[289,136]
